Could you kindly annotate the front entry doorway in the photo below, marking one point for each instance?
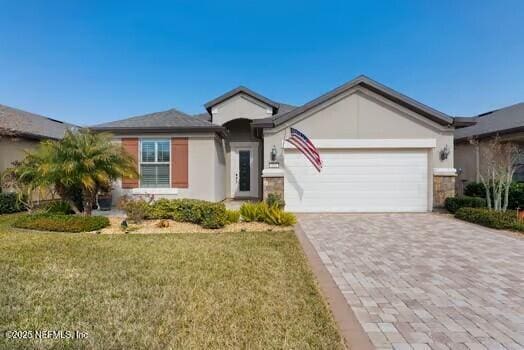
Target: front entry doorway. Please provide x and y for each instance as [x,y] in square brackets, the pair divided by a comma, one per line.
[244,169]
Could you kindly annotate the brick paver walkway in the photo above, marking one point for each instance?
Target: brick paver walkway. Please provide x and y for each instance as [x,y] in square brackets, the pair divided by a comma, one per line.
[425,281]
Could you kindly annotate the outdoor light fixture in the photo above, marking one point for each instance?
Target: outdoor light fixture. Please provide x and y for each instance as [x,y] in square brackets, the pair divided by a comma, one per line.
[274,154]
[444,153]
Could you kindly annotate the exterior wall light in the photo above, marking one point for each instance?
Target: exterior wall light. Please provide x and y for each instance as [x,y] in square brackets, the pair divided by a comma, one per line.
[274,154]
[444,153]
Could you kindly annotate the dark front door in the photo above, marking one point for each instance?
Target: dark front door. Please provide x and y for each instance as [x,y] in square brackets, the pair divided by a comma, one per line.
[244,170]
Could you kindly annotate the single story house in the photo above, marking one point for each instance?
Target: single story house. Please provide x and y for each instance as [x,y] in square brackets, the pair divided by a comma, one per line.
[507,123]
[21,131]
[381,151]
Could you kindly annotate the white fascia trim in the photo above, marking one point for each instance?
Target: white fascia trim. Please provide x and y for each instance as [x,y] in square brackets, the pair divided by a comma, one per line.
[445,171]
[371,143]
[272,173]
[149,191]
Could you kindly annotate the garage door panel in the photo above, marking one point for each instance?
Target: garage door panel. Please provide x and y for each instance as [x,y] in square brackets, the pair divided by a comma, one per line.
[358,180]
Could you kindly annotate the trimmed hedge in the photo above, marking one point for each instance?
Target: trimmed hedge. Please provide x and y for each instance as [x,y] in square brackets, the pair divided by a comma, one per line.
[9,203]
[61,223]
[452,204]
[200,212]
[516,193]
[490,218]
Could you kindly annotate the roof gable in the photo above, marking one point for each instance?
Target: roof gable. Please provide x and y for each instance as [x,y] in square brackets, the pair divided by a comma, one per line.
[374,86]
[240,90]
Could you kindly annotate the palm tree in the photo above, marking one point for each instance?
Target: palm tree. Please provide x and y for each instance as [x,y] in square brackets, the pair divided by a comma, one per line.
[84,160]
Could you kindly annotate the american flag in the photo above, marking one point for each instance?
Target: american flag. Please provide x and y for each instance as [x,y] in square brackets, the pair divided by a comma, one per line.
[304,145]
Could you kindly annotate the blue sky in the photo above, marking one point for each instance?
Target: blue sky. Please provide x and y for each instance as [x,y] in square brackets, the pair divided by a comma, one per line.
[95,61]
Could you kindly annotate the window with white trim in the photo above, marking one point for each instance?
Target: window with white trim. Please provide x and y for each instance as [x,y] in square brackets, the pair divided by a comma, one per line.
[154,163]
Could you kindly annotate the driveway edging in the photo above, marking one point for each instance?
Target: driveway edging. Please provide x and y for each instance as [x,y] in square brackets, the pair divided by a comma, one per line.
[348,325]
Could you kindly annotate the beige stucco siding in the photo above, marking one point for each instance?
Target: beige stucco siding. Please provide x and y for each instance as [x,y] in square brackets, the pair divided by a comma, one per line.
[206,168]
[360,114]
[12,149]
[466,162]
[240,106]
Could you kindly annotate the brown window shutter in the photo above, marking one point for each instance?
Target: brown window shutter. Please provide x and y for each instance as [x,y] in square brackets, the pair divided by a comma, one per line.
[179,162]
[130,145]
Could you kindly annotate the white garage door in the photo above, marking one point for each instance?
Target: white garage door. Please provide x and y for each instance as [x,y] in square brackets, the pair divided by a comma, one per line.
[358,181]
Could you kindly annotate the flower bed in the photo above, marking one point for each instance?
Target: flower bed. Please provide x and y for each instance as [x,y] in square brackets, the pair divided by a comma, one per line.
[172,226]
[208,215]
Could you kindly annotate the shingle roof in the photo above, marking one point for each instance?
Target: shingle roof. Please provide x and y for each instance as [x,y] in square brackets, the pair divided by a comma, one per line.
[18,122]
[170,120]
[238,90]
[504,120]
[372,85]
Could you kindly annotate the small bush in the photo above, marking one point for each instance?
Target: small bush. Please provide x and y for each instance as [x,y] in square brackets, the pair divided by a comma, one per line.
[262,212]
[204,213]
[9,203]
[162,209]
[489,218]
[274,199]
[515,196]
[453,204]
[273,215]
[213,215]
[252,211]
[136,209]
[232,216]
[57,207]
[62,223]
[475,189]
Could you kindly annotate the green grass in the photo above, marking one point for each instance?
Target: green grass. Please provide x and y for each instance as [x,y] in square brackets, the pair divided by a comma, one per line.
[169,291]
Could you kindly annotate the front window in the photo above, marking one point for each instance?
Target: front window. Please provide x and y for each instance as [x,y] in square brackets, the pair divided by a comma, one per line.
[154,163]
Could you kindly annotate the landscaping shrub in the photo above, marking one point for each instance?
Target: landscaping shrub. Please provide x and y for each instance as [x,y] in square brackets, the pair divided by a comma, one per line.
[62,223]
[274,199]
[162,209]
[516,193]
[251,211]
[135,209]
[490,218]
[475,189]
[57,207]
[213,215]
[274,215]
[453,204]
[200,212]
[262,212]
[232,216]
[9,203]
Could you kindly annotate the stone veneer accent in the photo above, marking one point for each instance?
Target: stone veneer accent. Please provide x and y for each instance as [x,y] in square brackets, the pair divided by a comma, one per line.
[443,187]
[272,182]
[273,185]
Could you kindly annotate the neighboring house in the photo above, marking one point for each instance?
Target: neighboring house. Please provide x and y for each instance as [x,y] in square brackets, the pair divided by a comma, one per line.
[21,131]
[381,151]
[508,123]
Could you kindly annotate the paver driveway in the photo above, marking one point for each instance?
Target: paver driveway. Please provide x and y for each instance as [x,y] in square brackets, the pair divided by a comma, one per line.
[425,281]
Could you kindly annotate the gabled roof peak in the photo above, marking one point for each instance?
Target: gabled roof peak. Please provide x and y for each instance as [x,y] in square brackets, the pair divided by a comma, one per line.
[238,90]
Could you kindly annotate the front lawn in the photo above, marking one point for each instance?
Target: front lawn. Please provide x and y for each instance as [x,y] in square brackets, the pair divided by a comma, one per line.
[162,291]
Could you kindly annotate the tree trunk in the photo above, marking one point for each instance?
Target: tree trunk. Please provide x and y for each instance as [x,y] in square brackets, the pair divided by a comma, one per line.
[88,200]
[62,193]
[486,187]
